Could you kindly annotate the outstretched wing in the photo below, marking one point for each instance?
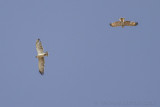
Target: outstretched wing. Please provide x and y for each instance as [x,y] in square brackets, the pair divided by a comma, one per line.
[115,24]
[39,46]
[129,23]
[41,65]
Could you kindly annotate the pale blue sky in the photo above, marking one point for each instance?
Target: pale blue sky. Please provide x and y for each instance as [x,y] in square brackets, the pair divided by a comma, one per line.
[90,64]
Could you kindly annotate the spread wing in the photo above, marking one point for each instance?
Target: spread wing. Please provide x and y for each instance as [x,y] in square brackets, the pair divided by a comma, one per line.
[41,65]
[39,47]
[115,24]
[129,23]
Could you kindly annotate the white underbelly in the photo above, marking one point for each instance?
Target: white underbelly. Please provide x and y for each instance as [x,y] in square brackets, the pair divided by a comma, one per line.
[40,55]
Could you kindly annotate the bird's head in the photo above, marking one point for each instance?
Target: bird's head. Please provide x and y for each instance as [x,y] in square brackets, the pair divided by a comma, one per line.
[122,19]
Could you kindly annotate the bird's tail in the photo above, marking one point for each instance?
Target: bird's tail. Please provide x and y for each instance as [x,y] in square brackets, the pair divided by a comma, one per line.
[46,54]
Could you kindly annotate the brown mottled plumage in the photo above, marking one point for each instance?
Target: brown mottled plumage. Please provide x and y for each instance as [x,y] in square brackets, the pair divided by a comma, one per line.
[123,23]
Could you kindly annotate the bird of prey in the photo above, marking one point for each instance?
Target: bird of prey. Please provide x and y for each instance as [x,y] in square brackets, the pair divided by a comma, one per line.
[123,23]
[40,56]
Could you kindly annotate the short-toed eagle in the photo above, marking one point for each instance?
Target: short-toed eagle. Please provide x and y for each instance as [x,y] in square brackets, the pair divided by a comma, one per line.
[123,23]
[40,56]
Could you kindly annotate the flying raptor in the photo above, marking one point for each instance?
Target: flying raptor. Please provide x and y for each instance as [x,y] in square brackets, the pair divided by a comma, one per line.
[40,56]
[123,23]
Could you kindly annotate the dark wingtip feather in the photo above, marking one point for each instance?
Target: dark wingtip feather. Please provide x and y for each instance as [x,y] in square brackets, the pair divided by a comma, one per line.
[136,23]
[110,24]
[39,40]
[42,73]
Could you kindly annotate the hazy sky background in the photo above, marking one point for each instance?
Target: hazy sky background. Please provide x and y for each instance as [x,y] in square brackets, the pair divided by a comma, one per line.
[90,64]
